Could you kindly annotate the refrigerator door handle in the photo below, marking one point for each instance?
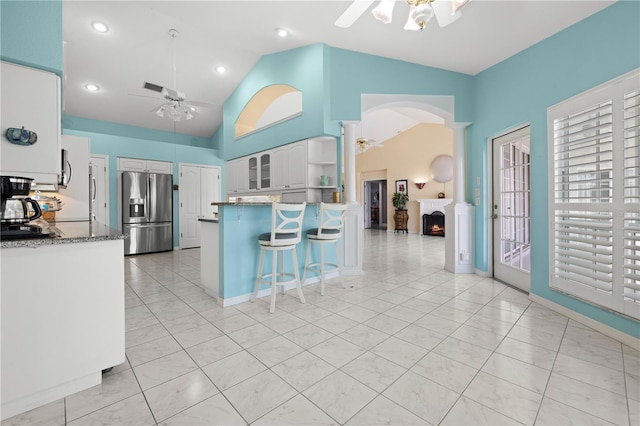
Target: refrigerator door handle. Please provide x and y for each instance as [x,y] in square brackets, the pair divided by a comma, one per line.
[149,225]
[95,188]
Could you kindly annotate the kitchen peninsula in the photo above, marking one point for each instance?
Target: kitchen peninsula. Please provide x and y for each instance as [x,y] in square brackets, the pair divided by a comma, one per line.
[230,250]
[62,313]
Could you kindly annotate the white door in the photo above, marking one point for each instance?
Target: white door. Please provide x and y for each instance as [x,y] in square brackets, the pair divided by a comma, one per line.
[99,188]
[189,206]
[209,191]
[366,195]
[199,187]
[511,209]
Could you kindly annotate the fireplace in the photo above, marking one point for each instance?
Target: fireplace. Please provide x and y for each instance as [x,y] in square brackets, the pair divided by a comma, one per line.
[433,224]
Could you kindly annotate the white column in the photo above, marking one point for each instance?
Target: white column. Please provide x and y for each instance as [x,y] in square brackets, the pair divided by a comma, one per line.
[354,218]
[459,214]
[458,161]
[349,142]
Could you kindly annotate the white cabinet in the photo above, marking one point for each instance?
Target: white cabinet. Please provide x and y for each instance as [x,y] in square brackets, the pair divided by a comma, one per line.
[238,175]
[260,171]
[289,169]
[30,98]
[306,168]
[60,331]
[141,165]
[159,167]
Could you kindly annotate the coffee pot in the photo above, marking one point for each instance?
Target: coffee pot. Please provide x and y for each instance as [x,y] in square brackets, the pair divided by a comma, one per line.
[17,207]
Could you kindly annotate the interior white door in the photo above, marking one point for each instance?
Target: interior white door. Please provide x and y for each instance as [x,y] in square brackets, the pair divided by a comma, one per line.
[209,191]
[199,187]
[511,209]
[189,206]
[366,195]
[99,188]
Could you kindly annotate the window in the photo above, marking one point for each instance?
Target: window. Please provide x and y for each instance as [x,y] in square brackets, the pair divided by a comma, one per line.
[594,155]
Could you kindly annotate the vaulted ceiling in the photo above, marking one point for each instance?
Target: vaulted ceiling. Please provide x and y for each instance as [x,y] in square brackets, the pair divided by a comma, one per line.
[235,34]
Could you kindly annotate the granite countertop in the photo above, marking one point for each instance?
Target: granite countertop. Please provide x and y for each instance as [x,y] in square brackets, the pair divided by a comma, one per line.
[68,233]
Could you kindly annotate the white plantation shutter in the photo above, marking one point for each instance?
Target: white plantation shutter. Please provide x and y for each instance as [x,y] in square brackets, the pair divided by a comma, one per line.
[631,168]
[594,158]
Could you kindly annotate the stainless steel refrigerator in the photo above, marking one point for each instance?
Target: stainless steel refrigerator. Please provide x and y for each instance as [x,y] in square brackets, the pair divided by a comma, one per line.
[147,212]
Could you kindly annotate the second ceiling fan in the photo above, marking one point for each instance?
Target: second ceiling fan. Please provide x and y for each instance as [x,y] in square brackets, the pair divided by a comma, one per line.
[176,106]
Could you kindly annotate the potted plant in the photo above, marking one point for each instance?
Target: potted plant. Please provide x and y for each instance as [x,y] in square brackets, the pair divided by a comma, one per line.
[401,217]
[399,200]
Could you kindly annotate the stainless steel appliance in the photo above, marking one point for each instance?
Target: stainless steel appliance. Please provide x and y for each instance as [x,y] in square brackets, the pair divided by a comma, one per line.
[147,212]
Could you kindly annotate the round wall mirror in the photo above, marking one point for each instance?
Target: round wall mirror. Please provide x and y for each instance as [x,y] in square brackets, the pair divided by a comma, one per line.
[442,168]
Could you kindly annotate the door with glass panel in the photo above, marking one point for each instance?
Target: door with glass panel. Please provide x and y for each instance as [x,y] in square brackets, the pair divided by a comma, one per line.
[511,209]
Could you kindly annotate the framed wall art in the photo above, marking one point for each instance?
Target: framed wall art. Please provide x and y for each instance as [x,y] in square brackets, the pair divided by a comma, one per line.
[401,186]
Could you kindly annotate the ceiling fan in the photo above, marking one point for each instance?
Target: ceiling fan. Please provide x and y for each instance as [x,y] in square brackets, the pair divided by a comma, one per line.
[176,106]
[420,12]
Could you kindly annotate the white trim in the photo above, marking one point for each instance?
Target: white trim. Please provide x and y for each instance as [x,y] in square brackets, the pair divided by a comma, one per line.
[489,177]
[484,274]
[589,322]
[266,292]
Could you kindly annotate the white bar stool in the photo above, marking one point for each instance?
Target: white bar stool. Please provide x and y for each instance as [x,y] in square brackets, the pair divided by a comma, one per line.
[286,233]
[329,231]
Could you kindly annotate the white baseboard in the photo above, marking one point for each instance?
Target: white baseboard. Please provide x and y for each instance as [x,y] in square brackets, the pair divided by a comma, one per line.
[484,274]
[266,292]
[598,326]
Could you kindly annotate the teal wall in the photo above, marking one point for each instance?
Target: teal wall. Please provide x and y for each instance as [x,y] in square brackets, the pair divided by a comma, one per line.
[141,143]
[31,34]
[301,68]
[353,73]
[519,90]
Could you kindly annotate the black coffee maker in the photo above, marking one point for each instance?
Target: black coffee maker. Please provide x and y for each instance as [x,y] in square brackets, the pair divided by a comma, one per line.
[18,209]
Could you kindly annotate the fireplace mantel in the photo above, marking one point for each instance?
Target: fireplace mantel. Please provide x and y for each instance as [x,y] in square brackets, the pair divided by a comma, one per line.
[430,205]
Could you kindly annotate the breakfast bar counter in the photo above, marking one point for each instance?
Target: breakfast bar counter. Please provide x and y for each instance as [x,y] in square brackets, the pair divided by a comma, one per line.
[230,250]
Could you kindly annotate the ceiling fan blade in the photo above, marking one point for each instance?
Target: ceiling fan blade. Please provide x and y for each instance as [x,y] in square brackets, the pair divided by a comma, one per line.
[199,104]
[158,98]
[443,10]
[353,12]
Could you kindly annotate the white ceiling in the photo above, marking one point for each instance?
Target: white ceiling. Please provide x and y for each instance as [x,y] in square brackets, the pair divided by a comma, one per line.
[237,33]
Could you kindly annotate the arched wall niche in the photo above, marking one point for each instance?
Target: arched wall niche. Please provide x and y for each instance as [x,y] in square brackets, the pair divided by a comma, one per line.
[269,106]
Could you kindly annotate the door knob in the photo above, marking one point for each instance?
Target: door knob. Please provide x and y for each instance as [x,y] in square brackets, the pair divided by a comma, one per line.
[494,216]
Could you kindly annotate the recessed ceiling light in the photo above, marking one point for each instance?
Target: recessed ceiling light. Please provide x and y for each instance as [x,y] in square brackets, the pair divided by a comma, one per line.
[282,32]
[221,70]
[101,27]
[92,87]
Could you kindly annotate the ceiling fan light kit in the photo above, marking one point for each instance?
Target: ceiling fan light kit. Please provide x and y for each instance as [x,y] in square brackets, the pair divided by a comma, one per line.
[384,11]
[420,12]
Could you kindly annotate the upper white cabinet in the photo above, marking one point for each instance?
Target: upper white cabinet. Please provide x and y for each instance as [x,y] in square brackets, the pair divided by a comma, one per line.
[309,164]
[260,171]
[30,98]
[289,168]
[238,175]
[140,165]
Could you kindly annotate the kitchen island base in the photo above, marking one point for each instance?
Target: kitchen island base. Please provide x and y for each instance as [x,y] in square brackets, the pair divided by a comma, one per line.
[62,320]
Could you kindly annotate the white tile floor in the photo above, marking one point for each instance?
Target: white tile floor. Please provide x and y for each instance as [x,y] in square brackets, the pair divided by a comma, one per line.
[406,343]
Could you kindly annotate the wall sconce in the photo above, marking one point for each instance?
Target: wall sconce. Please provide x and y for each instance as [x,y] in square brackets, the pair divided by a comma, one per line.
[420,185]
